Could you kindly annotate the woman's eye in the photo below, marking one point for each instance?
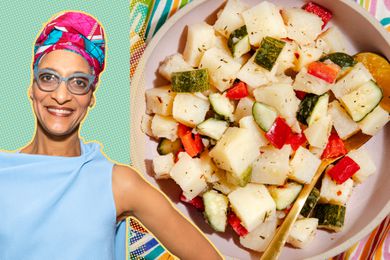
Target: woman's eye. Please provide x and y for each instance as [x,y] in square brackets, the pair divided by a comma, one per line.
[81,83]
[47,78]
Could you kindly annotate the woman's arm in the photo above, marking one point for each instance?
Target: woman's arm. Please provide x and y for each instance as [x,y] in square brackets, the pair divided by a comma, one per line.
[134,195]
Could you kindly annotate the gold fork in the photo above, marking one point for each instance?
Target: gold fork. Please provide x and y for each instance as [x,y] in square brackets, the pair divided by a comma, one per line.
[382,77]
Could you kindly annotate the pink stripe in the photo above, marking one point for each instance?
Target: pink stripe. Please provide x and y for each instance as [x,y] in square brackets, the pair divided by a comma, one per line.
[359,249]
[387,4]
[386,247]
[373,6]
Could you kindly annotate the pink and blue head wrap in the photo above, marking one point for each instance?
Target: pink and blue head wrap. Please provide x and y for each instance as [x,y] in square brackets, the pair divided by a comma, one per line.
[73,31]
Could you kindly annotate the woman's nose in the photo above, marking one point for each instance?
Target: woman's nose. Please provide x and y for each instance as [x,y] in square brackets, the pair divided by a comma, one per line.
[62,94]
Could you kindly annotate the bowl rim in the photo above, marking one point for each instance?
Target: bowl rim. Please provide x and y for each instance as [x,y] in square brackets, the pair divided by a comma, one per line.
[188,8]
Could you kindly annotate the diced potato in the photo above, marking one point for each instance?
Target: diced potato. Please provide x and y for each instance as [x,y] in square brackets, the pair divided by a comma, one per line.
[302,26]
[374,121]
[303,166]
[286,58]
[263,20]
[302,232]
[209,168]
[221,43]
[294,124]
[318,132]
[252,204]
[309,83]
[162,165]
[159,100]
[223,185]
[335,40]
[236,150]
[334,193]
[230,18]
[243,109]
[363,159]
[272,166]
[173,63]
[259,238]
[200,38]
[190,109]
[342,122]
[188,174]
[146,125]
[222,68]
[249,123]
[280,96]
[254,75]
[163,126]
[307,54]
[316,151]
[350,82]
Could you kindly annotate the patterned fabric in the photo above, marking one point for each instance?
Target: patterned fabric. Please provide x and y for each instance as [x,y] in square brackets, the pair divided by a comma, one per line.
[73,31]
[146,17]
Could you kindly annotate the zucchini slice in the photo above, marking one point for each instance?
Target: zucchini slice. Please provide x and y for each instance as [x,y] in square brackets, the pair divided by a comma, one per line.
[190,81]
[268,52]
[330,216]
[340,58]
[216,206]
[221,105]
[362,101]
[310,203]
[320,109]
[285,195]
[264,115]
[213,128]
[238,42]
[306,107]
[166,146]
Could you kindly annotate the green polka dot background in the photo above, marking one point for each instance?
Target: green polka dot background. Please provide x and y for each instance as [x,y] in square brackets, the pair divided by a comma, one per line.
[109,121]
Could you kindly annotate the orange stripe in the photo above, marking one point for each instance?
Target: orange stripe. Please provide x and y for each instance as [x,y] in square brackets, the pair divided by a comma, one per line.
[175,5]
[378,253]
[366,249]
[380,232]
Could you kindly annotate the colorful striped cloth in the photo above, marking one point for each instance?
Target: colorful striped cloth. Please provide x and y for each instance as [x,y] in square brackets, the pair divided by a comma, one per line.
[146,17]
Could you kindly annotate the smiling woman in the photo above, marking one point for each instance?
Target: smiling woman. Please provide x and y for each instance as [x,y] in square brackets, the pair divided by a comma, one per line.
[58,189]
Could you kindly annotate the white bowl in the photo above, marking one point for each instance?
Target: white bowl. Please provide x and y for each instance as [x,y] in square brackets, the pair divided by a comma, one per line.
[369,203]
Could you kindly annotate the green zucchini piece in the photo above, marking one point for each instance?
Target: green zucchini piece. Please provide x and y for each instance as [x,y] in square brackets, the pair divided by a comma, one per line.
[238,42]
[221,105]
[310,203]
[190,81]
[340,58]
[268,52]
[330,216]
[166,146]
[215,209]
[264,115]
[213,128]
[320,109]
[362,101]
[285,195]
[239,179]
[306,107]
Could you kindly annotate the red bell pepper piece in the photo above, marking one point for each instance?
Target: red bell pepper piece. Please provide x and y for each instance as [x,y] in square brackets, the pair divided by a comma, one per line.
[278,133]
[320,11]
[296,140]
[343,170]
[327,72]
[182,130]
[300,94]
[238,91]
[181,149]
[235,223]
[334,148]
[197,202]
[192,143]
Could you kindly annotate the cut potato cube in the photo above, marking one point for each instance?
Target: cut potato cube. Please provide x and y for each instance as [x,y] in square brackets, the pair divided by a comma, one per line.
[342,122]
[252,204]
[223,185]
[200,38]
[249,123]
[259,238]
[335,40]
[244,108]
[173,63]
[263,20]
[374,121]
[367,165]
[162,165]
[309,83]
[302,26]
[286,58]
[163,126]
[307,54]
[188,174]
[236,150]
[303,166]
[357,76]
[302,232]
[221,43]
[317,134]
[316,151]
[209,169]
[230,18]
[222,68]
[190,109]
[334,193]
[146,125]
[272,166]
[254,75]
[280,96]
[159,100]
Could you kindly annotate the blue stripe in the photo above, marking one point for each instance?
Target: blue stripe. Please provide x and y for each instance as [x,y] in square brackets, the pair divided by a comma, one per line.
[385,21]
[155,4]
[150,244]
[164,15]
[53,37]
[136,236]
[155,253]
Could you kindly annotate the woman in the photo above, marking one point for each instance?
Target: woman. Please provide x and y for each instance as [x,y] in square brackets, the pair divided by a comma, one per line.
[60,198]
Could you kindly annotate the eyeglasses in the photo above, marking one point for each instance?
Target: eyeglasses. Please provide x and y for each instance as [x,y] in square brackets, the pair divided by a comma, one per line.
[48,80]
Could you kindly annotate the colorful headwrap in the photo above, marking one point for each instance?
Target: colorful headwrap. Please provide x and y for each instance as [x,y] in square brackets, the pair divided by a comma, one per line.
[73,31]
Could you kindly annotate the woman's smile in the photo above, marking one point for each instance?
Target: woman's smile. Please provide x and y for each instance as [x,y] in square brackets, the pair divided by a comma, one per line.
[60,111]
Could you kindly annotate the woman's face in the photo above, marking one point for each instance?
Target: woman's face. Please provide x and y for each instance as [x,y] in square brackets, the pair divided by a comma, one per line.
[60,112]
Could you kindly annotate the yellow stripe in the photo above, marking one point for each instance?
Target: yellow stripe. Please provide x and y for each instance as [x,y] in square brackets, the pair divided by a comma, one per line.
[367,5]
[175,5]
[350,251]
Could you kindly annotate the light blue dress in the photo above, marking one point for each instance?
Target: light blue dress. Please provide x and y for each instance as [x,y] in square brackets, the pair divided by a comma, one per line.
[54,207]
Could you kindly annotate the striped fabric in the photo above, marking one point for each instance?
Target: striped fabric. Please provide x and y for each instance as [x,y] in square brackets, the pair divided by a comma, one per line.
[146,17]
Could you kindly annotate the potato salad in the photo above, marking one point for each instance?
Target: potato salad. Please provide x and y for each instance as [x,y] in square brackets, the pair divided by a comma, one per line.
[251,107]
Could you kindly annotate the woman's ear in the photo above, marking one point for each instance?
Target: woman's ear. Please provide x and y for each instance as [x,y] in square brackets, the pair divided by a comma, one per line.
[92,101]
[30,93]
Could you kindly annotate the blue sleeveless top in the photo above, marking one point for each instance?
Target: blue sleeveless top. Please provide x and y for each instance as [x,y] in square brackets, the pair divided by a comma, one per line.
[54,207]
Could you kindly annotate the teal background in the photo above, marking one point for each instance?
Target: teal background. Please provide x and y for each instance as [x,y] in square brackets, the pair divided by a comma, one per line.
[109,121]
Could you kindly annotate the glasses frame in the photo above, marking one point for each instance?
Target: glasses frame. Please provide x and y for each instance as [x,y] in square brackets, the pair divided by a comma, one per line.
[91,79]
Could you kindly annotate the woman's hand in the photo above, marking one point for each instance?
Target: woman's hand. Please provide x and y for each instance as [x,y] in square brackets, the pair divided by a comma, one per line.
[135,196]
